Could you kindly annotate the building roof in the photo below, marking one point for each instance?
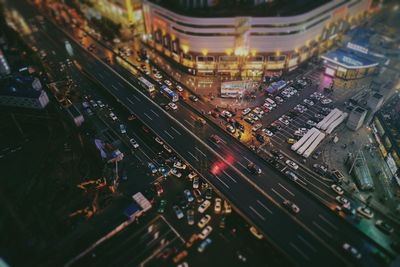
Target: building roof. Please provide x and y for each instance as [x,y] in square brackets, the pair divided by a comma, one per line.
[349,59]
[230,8]
[19,86]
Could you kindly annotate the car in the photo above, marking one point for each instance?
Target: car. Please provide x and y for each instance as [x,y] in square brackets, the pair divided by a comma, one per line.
[268,132]
[311,123]
[366,212]
[218,205]
[258,111]
[326,101]
[190,216]
[176,173]
[198,196]
[256,233]
[133,143]
[352,251]
[249,120]
[164,170]
[113,117]
[89,112]
[316,155]
[286,122]
[215,138]
[203,221]
[227,207]
[291,141]
[308,102]
[167,148]
[254,169]
[337,189]
[196,183]
[205,232]
[192,175]
[161,207]
[319,116]
[201,121]
[152,168]
[158,140]
[292,164]
[337,175]
[191,240]
[188,195]
[179,88]
[254,116]
[168,82]
[342,200]
[178,212]
[179,165]
[256,127]
[230,129]
[204,206]
[173,106]
[93,103]
[384,227]
[203,245]
[291,206]
[158,76]
[159,188]
[101,105]
[321,169]
[222,222]
[194,98]
[208,193]
[246,111]
[180,256]
[279,99]
[292,176]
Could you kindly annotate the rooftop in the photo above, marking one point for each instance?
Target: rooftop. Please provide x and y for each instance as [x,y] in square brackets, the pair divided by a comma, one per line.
[231,8]
[350,59]
[19,86]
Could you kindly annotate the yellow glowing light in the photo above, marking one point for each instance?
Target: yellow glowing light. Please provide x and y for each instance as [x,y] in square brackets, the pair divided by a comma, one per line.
[229,51]
[204,52]
[185,48]
[253,52]
[296,50]
[173,37]
[278,53]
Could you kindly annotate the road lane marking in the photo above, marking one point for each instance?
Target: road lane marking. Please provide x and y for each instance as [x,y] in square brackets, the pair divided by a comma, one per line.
[238,162]
[263,205]
[307,243]
[322,229]
[190,153]
[230,177]
[246,159]
[130,101]
[113,86]
[137,98]
[193,118]
[188,122]
[201,152]
[155,113]
[256,212]
[175,130]
[167,133]
[299,251]
[287,190]
[147,116]
[278,194]
[101,75]
[120,84]
[222,182]
[328,222]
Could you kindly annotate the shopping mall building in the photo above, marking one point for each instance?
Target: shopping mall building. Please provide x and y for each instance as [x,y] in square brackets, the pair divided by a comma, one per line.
[210,37]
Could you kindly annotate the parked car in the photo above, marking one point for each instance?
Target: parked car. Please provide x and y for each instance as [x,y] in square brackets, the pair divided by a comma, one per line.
[178,212]
[161,207]
[196,182]
[352,251]
[176,173]
[246,111]
[204,206]
[158,140]
[179,165]
[203,245]
[188,195]
[366,212]
[292,164]
[204,221]
[173,106]
[194,98]
[190,216]
[256,127]
[198,196]
[218,205]
[152,168]
[159,189]
[384,227]
[133,143]
[205,232]
[256,233]
[337,189]
[342,200]
[227,207]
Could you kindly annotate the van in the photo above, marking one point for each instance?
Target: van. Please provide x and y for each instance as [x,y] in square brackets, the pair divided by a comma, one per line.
[270,101]
[291,141]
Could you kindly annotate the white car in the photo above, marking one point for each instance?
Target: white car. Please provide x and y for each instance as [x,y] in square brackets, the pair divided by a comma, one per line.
[178,212]
[204,206]
[286,122]
[246,111]
[113,117]
[180,165]
[268,132]
[256,127]
[203,221]
[179,88]
[173,106]
[227,207]
[308,102]
[133,143]
[352,251]
[326,101]
[122,129]
[292,164]
[366,212]
[254,116]
[230,129]
[196,183]
[158,140]
[176,173]
[337,189]
[311,123]
[218,205]
[342,200]
[192,175]
[167,82]
[167,148]
[158,75]
[206,232]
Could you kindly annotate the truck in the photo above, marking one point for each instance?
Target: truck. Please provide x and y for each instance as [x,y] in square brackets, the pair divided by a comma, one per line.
[308,143]
[327,117]
[336,123]
[302,140]
[314,145]
[334,117]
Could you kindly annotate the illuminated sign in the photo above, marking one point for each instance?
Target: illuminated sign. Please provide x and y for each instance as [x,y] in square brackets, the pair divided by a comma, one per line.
[330,72]
[351,61]
[357,47]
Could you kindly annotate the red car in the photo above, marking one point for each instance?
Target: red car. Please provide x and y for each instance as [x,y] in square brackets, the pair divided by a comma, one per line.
[158,188]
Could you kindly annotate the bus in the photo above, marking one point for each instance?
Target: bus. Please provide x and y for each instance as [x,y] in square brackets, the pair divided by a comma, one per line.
[148,85]
[169,93]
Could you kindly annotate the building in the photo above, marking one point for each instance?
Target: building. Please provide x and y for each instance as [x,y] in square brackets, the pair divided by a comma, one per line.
[356,118]
[247,38]
[375,102]
[24,92]
[4,67]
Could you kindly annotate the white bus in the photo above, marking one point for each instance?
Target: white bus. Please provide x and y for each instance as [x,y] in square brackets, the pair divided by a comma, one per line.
[148,85]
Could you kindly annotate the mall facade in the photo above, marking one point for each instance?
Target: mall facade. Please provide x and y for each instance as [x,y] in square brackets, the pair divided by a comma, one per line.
[245,45]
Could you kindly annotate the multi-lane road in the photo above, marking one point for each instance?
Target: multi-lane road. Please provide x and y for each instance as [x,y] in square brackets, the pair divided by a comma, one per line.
[314,236]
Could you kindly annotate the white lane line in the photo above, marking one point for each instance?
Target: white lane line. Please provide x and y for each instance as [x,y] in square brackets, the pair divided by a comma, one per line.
[201,152]
[256,212]
[130,101]
[101,75]
[230,177]
[193,118]
[116,88]
[120,84]
[322,229]
[175,130]
[263,205]
[328,222]
[222,182]
[188,122]
[241,164]
[246,159]
[287,190]
[155,113]
[137,98]
[190,153]
[150,118]
[307,243]
[278,194]
[167,133]
[299,251]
